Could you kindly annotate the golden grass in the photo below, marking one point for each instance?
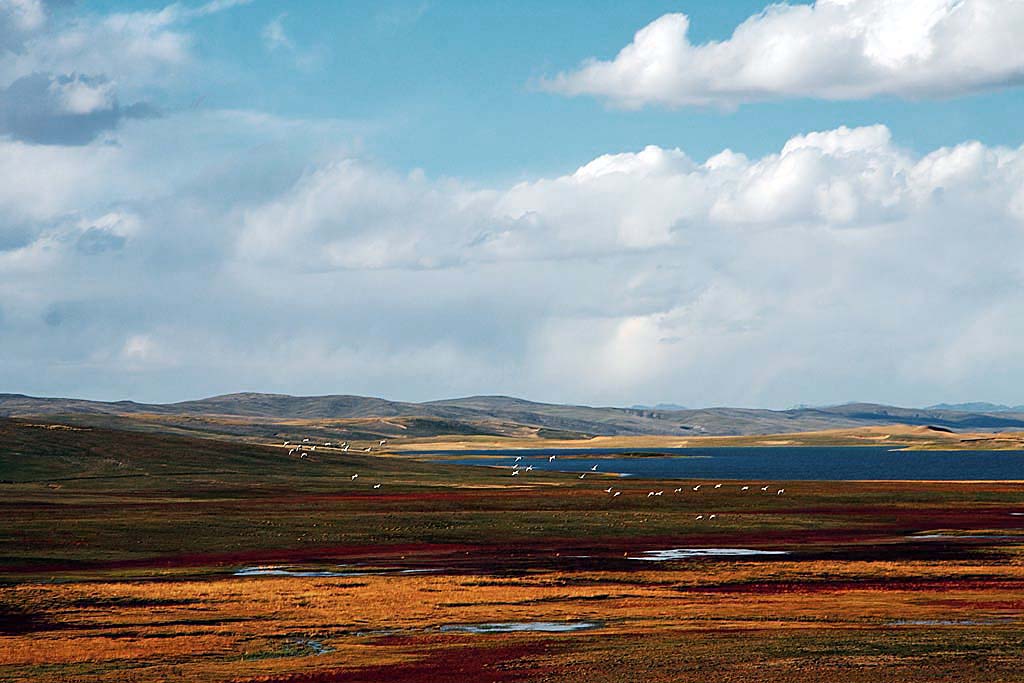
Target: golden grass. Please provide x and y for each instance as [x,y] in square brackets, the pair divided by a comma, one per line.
[913,437]
[224,627]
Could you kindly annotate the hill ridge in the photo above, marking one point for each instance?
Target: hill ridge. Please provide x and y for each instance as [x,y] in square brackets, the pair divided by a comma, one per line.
[488,414]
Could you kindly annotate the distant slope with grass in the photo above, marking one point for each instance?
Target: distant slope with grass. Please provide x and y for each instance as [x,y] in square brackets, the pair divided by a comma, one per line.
[258,415]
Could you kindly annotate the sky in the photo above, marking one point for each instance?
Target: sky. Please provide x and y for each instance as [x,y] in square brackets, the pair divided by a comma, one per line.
[598,202]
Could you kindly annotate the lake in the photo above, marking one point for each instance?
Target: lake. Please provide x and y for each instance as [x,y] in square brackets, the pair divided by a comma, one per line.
[830,463]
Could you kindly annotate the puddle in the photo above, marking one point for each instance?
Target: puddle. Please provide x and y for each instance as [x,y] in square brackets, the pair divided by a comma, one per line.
[288,571]
[685,553]
[522,626]
[314,646]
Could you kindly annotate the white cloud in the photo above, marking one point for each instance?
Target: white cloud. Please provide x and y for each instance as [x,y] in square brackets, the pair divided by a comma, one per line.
[833,49]
[735,280]
[274,35]
[130,47]
[133,50]
[277,39]
[216,6]
[79,96]
[800,276]
[19,19]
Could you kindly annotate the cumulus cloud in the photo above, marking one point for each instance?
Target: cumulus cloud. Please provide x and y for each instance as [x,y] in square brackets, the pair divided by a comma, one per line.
[731,280]
[832,49]
[130,47]
[351,215]
[799,276]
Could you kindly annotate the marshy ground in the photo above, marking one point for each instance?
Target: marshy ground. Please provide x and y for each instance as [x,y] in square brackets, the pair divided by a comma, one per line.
[139,557]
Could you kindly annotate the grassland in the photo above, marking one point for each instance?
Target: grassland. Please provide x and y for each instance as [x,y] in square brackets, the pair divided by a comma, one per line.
[120,550]
[898,436]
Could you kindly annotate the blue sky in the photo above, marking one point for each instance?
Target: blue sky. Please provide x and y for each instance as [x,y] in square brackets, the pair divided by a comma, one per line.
[450,87]
[426,199]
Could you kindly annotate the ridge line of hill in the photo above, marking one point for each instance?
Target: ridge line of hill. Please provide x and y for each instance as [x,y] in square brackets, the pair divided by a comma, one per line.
[508,415]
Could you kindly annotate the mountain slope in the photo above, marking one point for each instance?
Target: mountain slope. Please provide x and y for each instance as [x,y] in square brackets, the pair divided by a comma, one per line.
[242,413]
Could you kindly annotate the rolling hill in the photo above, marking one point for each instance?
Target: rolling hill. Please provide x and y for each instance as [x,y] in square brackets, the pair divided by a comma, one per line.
[265,415]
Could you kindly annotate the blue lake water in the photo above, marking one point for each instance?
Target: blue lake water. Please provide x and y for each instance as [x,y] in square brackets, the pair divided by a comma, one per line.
[832,463]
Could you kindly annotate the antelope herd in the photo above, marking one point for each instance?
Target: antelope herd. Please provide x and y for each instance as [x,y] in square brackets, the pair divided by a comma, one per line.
[303,450]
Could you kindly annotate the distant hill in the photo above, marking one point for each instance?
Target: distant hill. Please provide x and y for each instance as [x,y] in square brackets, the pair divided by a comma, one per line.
[660,406]
[262,415]
[978,407]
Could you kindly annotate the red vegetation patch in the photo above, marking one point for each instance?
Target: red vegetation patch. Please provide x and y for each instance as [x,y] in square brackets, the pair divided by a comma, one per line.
[495,664]
[891,584]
